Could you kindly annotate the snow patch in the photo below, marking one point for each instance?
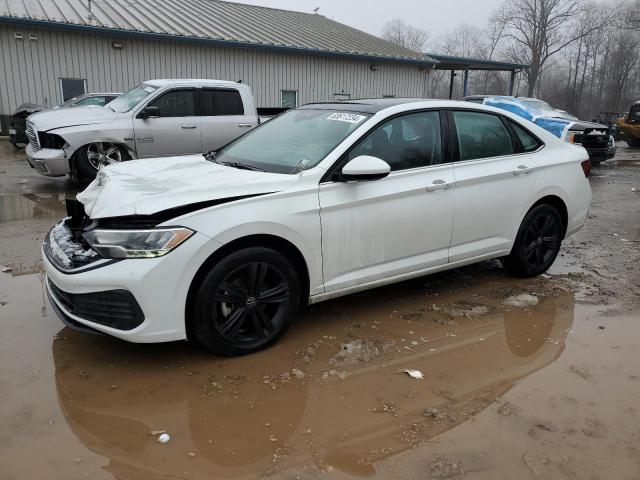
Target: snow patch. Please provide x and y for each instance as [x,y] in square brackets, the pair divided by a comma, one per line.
[523,300]
[64,247]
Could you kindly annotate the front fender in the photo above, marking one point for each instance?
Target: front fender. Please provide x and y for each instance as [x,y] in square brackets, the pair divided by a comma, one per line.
[80,136]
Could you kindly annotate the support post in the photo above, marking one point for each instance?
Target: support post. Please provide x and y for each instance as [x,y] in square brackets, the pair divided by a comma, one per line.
[466,82]
[513,82]
[453,76]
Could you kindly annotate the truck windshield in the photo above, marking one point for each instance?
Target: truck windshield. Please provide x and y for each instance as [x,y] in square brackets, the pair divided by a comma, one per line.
[296,140]
[130,99]
[540,108]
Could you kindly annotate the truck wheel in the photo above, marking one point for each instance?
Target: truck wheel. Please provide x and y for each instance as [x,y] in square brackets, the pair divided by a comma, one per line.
[86,161]
[537,243]
[246,301]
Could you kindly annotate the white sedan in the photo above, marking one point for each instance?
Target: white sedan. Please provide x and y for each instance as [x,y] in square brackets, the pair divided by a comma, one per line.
[322,201]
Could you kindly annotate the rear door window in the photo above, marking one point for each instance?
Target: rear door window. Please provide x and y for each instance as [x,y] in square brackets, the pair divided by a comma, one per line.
[217,102]
[481,135]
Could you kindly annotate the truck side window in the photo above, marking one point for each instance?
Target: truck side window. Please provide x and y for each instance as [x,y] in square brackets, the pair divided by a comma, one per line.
[176,103]
[217,102]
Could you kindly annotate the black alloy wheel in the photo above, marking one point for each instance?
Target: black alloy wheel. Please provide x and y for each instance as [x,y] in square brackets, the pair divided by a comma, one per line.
[538,242]
[246,302]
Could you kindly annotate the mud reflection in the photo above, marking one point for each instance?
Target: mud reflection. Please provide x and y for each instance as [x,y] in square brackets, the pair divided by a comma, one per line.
[31,206]
[332,394]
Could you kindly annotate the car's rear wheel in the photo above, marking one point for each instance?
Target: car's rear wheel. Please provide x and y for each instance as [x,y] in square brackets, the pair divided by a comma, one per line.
[537,243]
[88,159]
[246,301]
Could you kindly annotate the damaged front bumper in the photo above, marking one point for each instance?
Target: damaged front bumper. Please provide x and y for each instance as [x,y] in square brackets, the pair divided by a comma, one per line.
[138,300]
[48,161]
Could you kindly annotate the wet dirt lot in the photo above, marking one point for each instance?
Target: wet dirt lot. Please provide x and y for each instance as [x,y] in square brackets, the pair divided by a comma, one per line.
[522,378]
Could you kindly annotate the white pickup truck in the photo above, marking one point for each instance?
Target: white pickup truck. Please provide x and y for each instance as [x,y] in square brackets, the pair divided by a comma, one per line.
[155,119]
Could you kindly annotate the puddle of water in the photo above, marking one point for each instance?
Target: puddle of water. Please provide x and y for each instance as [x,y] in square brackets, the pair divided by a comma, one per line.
[230,418]
[31,206]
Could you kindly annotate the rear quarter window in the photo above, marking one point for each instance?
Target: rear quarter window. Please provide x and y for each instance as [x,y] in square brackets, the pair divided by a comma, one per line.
[527,140]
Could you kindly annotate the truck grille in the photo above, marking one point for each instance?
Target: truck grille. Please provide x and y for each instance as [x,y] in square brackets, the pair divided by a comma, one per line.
[32,136]
[112,308]
[594,140]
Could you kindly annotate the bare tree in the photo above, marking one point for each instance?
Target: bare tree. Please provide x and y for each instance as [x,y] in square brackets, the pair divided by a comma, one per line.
[401,33]
[538,29]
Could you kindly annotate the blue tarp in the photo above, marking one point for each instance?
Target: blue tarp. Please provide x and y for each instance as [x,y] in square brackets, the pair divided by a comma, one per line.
[554,125]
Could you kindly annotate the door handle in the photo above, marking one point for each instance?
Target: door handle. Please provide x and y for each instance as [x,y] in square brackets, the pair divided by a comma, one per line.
[245,125]
[438,184]
[189,126]
[520,169]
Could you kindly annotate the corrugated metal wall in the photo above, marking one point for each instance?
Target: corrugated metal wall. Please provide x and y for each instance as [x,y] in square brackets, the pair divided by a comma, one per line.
[30,69]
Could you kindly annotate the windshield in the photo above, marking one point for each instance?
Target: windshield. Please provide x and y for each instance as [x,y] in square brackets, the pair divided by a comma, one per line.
[71,101]
[296,140]
[538,107]
[133,97]
[567,115]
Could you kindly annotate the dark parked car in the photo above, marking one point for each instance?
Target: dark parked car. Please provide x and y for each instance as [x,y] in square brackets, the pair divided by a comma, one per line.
[17,124]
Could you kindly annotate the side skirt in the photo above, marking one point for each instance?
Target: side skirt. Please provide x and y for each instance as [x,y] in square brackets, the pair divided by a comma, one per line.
[406,276]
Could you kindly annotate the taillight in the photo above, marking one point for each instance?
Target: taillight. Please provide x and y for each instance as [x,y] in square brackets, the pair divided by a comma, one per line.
[586,168]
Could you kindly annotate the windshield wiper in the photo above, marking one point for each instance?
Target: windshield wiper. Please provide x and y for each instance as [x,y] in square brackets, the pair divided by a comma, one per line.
[241,166]
[211,156]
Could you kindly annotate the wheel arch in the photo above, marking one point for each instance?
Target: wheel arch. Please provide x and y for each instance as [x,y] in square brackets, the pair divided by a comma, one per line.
[279,244]
[559,204]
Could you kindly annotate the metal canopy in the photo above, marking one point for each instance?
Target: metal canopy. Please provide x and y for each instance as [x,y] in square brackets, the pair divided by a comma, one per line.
[453,64]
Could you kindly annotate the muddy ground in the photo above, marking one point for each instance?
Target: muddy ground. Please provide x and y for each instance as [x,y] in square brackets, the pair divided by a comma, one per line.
[522,379]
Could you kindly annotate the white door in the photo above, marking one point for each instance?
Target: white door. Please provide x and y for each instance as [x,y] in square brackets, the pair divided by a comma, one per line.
[175,132]
[222,117]
[373,230]
[494,178]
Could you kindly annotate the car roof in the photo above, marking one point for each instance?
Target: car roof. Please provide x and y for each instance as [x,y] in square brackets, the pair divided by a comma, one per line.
[365,105]
[163,82]
[375,105]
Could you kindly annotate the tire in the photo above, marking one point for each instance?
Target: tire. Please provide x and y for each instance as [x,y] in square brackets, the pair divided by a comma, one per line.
[537,243]
[246,302]
[83,166]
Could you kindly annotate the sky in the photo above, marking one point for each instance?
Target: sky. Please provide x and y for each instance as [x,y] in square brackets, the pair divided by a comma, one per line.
[434,16]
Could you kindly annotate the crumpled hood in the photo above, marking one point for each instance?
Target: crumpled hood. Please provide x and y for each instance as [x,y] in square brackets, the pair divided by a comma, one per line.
[145,187]
[70,117]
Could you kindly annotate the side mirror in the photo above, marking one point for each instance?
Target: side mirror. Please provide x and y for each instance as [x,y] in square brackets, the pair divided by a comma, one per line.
[149,112]
[365,168]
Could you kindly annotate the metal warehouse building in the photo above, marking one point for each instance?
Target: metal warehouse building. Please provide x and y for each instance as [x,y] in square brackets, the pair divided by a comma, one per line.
[54,49]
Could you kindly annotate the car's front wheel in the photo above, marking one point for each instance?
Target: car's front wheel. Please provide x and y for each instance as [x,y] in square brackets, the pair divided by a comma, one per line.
[537,243]
[87,160]
[246,301]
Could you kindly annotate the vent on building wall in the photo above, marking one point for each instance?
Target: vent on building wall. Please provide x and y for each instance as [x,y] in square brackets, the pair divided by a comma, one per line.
[33,37]
[18,35]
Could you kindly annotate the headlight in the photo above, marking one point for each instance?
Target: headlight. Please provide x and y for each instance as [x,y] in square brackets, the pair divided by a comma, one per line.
[571,135]
[136,243]
[51,140]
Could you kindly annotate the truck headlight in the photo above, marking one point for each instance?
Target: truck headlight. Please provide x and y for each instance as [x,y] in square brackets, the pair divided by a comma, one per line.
[136,243]
[571,136]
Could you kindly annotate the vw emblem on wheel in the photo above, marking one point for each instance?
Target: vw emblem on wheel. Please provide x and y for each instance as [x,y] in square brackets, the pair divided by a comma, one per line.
[251,302]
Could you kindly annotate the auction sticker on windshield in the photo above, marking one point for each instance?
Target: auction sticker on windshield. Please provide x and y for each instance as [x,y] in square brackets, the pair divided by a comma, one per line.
[346,117]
